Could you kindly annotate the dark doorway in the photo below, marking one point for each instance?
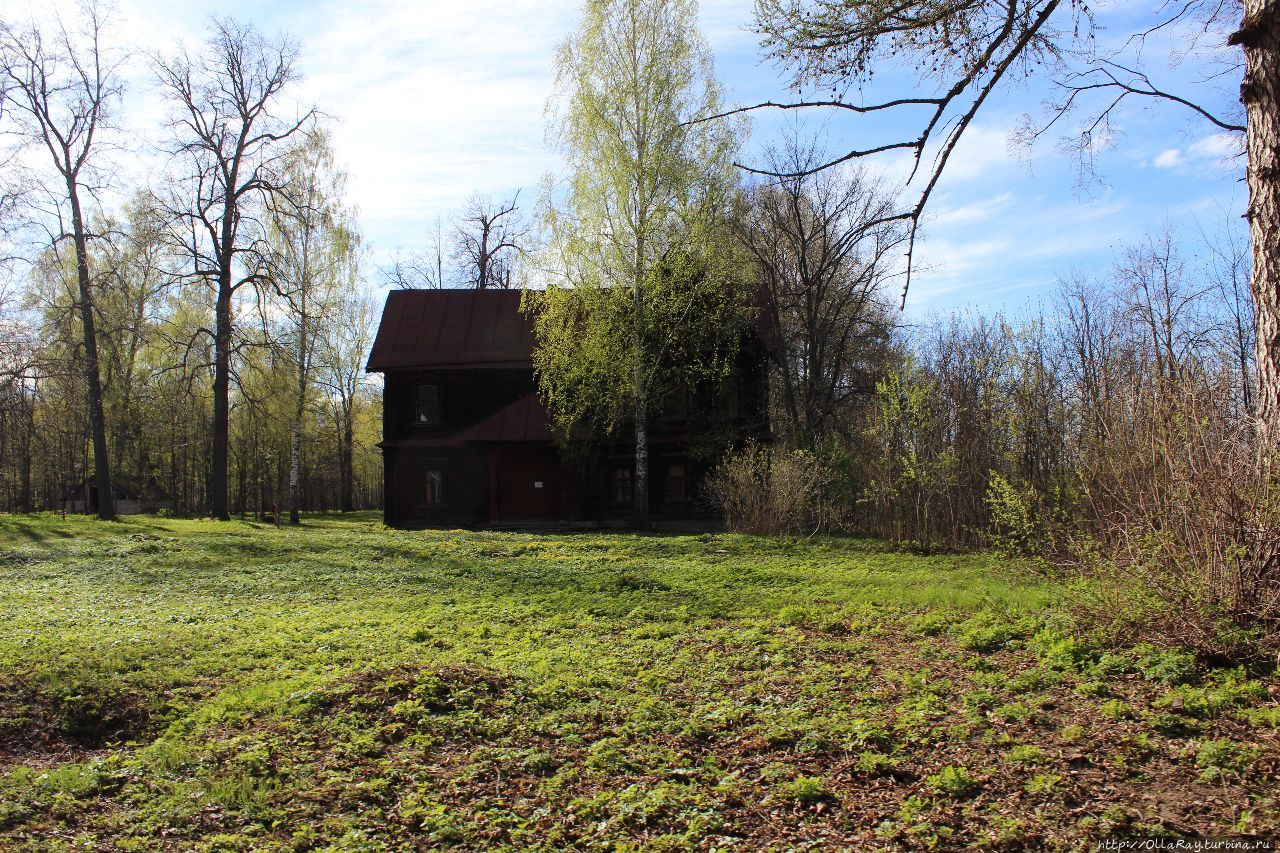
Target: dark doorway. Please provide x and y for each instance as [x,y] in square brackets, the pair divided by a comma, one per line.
[528,484]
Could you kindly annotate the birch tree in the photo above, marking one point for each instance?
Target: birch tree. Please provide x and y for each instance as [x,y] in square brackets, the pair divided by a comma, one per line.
[313,244]
[341,353]
[644,188]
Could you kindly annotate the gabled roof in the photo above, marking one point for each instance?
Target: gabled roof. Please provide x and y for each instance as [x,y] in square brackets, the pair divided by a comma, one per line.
[452,329]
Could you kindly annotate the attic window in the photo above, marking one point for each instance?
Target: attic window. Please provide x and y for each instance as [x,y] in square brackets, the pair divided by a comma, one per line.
[426,409]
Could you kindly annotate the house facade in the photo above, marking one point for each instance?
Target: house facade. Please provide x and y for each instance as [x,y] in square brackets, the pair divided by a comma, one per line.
[467,441]
[132,497]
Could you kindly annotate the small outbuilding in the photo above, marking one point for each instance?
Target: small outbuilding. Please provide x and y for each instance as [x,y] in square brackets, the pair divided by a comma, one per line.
[132,497]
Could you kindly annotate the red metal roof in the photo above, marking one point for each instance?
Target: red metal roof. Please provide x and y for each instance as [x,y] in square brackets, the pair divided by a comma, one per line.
[525,419]
[452,328]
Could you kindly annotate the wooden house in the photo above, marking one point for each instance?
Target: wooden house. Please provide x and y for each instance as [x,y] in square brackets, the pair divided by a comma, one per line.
[132,497]
[467,441]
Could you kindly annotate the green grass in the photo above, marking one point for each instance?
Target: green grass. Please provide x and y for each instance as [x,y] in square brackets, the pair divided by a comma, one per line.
[187,685]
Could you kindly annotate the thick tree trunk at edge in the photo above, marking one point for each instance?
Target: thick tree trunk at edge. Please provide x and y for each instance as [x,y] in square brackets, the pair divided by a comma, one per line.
[1259,35]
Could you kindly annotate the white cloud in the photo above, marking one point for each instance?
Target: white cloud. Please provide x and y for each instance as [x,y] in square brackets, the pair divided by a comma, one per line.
[1208,154]
[1016,244]
[1219,146]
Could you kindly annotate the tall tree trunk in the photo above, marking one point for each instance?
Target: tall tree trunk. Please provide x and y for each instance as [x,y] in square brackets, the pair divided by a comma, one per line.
[28,413]
[242,486]
[641,484]
[1259,35]
[304,281]
[295,448]
[295,468]
[97,421]
[347,460]
[221,402]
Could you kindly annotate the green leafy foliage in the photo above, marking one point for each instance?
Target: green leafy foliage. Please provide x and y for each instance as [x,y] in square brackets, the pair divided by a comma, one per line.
[1166,666]
[642,298]
[874,763]
[1216,758]
[953,782]
[804,789]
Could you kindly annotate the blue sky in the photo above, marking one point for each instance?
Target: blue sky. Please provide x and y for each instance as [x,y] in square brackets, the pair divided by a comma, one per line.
[435,100]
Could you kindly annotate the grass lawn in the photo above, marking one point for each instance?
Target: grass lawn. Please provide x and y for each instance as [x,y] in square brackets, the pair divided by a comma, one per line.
[169,684]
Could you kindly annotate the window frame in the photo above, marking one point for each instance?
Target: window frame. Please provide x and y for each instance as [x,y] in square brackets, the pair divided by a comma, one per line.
[433,481]
[431,407]
[683,479]
[623,476]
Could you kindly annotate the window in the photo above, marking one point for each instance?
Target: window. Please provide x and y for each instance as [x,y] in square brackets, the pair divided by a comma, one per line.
[622,492]
[426,409]
[676,487]
[434,495]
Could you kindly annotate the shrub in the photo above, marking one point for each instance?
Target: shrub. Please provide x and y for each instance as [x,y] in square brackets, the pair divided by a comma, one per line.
[768,491]
[1116,709]
[1044,783]
[1262,718]
[1189,531]
[1017,519]
[986,632]
[1166,666]
[1059,651]
[1027,754]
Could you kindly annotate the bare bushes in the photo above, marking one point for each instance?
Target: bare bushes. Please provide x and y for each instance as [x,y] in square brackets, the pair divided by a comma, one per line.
[766,491]
[1178,508]
[1182,514]
[1117,438]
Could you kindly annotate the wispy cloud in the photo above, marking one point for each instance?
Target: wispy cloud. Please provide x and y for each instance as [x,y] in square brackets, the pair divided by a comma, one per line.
[1216,152]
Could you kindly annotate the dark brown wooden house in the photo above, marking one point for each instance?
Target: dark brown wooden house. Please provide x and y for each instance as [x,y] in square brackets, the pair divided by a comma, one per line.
[467,442]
